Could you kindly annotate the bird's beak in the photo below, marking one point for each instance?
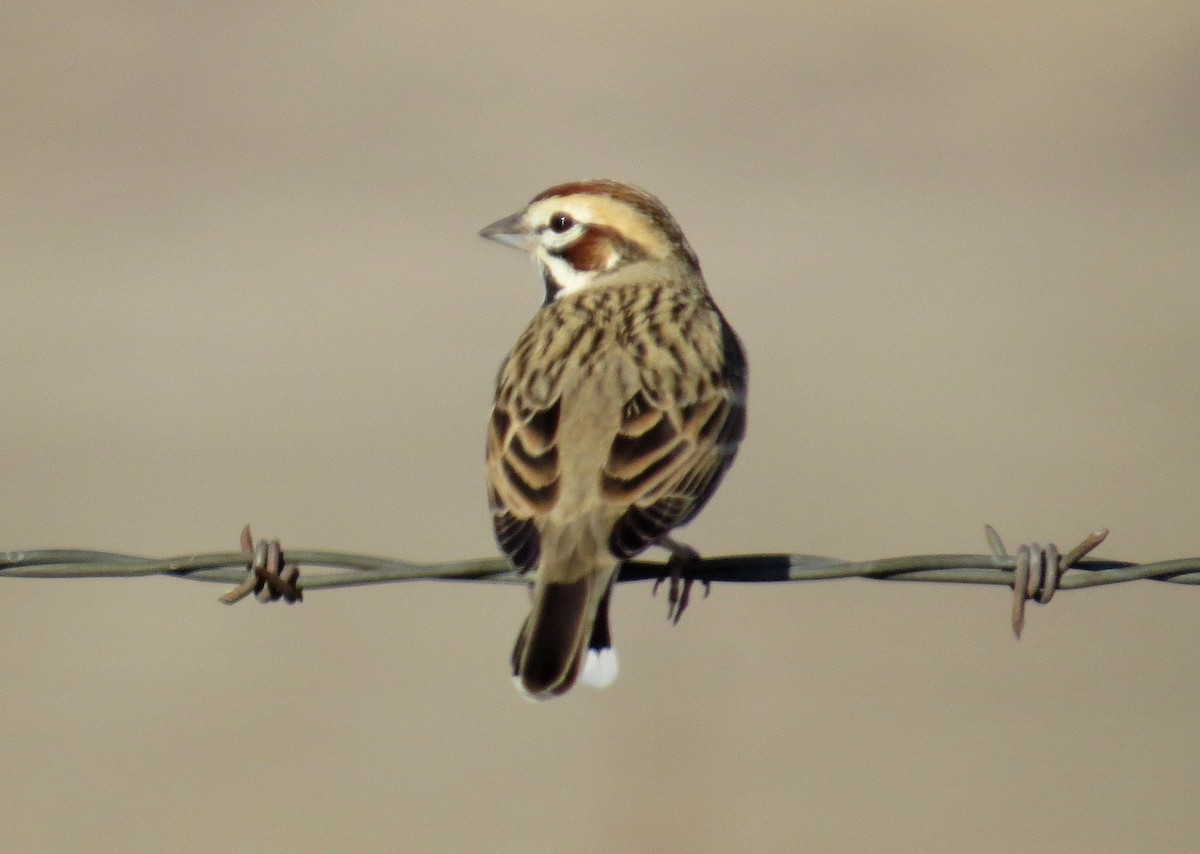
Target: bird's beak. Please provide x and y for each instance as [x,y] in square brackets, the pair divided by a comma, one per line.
[511,231]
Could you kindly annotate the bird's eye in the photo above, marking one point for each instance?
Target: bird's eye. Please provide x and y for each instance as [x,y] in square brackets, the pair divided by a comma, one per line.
[560,222]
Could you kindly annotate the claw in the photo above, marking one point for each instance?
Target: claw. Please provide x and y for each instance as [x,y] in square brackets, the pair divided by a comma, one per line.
[679,589]
[681,602]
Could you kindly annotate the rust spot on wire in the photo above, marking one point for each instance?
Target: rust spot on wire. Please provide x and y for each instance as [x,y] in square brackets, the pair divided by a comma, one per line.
[268,577]
[1037,570]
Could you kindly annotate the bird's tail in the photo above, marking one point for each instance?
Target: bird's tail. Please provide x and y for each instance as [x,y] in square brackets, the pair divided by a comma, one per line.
[566,620]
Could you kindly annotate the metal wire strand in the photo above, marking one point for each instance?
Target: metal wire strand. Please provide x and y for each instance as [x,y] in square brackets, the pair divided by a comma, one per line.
[1033,572]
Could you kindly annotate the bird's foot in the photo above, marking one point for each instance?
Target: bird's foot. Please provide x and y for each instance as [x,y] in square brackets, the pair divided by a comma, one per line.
[683,557]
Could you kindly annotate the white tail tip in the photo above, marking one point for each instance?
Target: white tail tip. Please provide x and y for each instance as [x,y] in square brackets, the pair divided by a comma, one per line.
[525,695]
[600,668]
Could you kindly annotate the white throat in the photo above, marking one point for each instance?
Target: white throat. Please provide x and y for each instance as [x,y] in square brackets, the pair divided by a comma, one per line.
[566,276]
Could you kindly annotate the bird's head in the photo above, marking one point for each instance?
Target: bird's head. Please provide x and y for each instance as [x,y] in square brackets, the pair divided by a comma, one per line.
[596,232]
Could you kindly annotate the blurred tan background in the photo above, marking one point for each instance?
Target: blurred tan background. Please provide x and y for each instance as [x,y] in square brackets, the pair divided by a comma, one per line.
[240,282]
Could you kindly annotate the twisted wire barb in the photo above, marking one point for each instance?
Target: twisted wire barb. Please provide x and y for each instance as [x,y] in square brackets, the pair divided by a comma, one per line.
[1033,572]
[268,578]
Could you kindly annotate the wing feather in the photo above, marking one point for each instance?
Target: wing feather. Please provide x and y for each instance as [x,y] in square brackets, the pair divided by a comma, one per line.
[523,477]
[668,458]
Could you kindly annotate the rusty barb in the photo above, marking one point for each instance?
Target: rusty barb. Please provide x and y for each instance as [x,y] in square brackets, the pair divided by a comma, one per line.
[269,578]
[1038,569]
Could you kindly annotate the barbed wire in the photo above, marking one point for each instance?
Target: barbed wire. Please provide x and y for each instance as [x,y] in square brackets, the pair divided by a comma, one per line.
[1033,571]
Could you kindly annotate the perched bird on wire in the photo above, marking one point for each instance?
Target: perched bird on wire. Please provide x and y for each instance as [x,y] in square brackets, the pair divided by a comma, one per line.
[616,414]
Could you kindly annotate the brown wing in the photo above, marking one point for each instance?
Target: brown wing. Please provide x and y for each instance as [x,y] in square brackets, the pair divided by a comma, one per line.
[667,460]
[523,477]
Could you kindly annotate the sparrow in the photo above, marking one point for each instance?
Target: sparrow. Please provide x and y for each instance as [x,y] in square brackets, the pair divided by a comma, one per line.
[616,414]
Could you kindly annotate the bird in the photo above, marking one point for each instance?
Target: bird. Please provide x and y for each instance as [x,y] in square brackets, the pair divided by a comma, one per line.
[616,415]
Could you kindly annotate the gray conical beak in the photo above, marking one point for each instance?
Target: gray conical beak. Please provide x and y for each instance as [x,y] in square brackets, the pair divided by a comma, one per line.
[511,231]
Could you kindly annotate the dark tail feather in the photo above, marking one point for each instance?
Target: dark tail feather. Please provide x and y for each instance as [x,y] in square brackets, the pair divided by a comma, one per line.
[601,637]
[547,656]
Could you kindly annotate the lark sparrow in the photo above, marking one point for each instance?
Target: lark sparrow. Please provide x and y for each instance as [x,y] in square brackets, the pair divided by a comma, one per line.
[616,414]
